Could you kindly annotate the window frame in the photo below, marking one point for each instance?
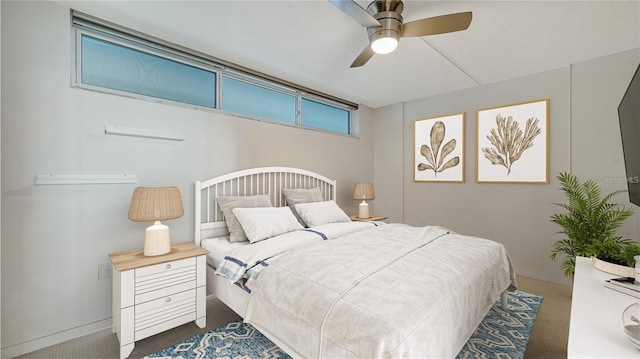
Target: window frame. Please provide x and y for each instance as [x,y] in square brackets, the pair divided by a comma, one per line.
[146,44]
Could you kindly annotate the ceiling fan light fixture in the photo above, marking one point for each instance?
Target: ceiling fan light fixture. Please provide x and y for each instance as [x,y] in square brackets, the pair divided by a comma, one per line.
[384,45]
[384,41]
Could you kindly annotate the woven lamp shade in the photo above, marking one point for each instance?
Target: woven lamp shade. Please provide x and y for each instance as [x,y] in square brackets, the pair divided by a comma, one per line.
[150,204]
[155,204]
[363,191]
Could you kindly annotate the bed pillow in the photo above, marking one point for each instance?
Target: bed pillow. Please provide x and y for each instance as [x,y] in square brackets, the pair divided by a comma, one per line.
[267,222]
[228,203]
[295,196]
[317,213]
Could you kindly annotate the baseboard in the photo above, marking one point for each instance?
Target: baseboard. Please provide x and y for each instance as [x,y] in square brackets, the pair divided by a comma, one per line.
[56,338]
[556,278]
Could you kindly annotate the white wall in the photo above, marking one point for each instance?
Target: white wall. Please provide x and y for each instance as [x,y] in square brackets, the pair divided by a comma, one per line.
[596,148]
[388,170]
[584,139]
[55,237]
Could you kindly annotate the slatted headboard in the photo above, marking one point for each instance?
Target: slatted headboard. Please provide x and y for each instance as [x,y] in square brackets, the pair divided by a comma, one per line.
[262,180]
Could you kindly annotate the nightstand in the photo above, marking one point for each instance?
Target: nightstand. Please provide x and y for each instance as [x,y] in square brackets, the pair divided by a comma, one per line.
[372,218]
[154,294]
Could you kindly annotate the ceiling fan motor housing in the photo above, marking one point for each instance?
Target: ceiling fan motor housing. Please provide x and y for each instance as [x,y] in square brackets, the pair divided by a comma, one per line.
[378,6]
[387,12]
[391,26]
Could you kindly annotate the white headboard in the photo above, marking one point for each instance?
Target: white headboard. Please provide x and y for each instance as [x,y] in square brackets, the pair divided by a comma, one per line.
[262,180]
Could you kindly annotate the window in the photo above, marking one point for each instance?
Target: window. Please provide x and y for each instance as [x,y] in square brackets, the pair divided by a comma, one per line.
[247,99]
[117,67]
[113,59]
[325,117]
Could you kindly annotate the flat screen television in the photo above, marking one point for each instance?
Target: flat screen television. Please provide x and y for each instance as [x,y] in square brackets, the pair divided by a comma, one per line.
[629,117]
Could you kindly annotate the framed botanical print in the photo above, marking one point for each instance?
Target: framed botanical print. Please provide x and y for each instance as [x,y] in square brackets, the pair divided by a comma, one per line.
[513,143]
[439,149]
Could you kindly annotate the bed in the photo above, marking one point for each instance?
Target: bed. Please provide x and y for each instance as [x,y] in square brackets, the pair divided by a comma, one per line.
[321,286]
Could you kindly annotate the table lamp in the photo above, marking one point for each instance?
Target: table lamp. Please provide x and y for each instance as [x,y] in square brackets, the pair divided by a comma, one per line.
[155,204]
[363,191]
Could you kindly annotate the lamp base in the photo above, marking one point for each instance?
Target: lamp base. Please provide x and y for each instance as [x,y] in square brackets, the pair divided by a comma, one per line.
[363,210]
[156,240]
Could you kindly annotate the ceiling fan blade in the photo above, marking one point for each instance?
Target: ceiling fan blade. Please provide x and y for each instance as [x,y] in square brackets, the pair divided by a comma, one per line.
[437,25]
[364,56]
[356,12]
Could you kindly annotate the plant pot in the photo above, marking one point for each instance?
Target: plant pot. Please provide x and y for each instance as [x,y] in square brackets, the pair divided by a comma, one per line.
[621,271]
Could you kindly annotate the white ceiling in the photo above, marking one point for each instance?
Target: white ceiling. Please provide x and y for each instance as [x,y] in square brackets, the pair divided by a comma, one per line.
[312,43]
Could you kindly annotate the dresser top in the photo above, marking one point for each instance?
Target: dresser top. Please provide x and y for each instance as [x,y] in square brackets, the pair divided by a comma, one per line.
[135,258]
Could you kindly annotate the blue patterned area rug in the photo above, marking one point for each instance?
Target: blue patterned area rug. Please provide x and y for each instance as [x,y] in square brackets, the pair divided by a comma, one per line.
[502,334]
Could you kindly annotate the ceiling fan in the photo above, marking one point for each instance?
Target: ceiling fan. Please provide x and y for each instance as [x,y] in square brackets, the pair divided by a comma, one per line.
[385,28]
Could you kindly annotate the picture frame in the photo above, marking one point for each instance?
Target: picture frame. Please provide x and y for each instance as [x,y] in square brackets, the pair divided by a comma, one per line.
[513,143]
[439,149]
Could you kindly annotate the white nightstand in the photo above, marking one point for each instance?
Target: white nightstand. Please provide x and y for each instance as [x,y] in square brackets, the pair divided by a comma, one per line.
[154,294]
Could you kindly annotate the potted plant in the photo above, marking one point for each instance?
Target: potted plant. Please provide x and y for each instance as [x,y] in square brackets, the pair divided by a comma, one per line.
[590,225]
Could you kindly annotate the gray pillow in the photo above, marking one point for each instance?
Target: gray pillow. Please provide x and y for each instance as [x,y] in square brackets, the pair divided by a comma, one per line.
[295,196]
[228,203]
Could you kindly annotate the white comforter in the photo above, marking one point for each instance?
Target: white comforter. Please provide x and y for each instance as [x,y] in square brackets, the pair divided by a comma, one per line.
[247,261]
[389,291]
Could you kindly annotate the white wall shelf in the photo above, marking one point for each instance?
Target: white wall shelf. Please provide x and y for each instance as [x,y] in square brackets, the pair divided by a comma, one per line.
[85,179]
[141,132]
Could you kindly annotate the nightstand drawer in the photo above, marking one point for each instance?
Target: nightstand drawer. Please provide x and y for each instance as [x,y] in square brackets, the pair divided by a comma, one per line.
[167,312]
[159,269]
[163,292]
[164,279]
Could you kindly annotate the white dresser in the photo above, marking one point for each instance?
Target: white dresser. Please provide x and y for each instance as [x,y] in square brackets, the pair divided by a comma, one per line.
[154,294]
[595,330]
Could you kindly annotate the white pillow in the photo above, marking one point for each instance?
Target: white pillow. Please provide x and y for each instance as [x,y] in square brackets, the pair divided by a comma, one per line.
[294,196]
[317,213]
[228,203]
[265,222]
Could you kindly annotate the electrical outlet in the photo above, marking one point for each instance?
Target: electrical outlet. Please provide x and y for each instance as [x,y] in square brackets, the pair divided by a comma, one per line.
[104,271]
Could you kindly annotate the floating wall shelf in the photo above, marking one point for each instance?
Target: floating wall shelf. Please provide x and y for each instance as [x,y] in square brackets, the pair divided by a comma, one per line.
[144,133]
[86,179]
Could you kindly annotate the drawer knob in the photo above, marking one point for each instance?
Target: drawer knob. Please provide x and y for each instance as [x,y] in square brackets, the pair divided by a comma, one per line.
[167,299]
[168,266]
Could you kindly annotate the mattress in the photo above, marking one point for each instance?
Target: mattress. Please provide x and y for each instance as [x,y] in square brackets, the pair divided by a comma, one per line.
[218,248]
